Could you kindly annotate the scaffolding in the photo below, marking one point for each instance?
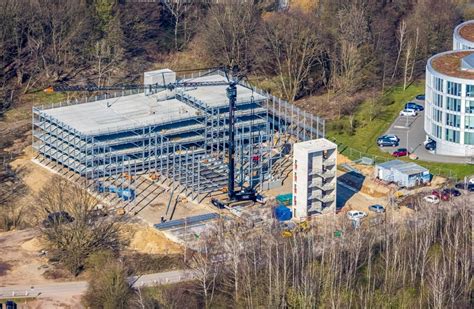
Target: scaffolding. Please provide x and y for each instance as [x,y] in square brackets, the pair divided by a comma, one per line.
[187,150]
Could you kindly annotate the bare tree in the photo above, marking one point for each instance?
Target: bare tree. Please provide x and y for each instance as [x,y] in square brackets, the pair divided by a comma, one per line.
[230,34]
[62,202]
[292,40]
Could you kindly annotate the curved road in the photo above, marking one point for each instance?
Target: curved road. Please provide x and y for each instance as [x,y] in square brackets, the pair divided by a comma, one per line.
[79,287]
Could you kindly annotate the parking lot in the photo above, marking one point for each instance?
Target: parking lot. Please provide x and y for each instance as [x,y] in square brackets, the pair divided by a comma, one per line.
[411,132]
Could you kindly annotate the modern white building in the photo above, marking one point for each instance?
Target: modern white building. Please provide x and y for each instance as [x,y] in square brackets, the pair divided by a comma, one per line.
[449,114]
[463,37]
[314,178]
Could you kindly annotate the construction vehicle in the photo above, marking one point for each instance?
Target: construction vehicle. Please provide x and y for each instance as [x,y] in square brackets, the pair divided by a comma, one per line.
[289,228]
[245,193]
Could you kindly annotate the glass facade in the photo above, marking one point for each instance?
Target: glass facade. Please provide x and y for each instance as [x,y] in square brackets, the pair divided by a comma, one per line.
[452,136]
[469,107]
[469,138]
[469,90]
[469,122]
[454,89]
[438,100]
[449,113]
[438,84]
[437,115]
[453,104]
[453,120]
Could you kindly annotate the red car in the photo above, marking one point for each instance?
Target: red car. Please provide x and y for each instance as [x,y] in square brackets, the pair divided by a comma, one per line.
[444,196]
[400,152]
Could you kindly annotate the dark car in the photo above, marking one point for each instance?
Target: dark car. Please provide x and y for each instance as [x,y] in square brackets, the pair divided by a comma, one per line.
[430,146]
[465,186]
[59,217]
[452,192]
[414,106]
[387,141]
[420,97]
[441,195]
[377,208]
[400,152]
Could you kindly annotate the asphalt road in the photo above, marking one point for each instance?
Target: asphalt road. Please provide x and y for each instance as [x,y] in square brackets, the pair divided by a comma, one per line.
[412,134]
[79,287]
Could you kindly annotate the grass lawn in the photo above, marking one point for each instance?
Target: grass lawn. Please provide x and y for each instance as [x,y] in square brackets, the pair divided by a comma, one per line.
[363,137]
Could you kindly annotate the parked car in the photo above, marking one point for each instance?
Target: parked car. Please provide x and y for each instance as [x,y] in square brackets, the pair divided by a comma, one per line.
[392,137]
[420,97]
[59,217]
[388,140]
[441,195]
[452,192]
[356,214]
[433,199]
[414,106]
[400,152]
[430,146]
[465,186]
[408,112]
[377,208]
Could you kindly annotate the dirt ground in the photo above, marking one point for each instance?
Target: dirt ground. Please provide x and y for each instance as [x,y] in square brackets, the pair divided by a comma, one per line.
[20,251]
[33,175]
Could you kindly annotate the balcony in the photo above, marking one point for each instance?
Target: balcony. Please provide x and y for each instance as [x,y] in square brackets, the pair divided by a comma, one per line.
[327,198]
[315,195]
[329,162]
[319,184]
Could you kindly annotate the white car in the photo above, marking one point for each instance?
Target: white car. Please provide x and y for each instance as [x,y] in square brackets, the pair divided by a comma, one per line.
[408,112]
[356,214]
[433,199]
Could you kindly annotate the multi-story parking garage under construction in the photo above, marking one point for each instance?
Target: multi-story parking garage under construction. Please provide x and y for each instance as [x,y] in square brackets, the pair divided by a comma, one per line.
[179,135]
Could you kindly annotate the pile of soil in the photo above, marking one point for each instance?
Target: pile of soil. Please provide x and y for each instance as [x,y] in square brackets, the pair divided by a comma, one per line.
[151,241]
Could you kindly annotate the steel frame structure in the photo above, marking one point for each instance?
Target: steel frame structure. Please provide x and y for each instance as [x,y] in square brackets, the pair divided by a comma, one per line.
[189,153]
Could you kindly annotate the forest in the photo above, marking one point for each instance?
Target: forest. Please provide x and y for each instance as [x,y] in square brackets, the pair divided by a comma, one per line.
[339,49]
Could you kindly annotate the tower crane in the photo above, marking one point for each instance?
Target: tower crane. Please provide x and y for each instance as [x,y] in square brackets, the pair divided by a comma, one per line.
[231,92]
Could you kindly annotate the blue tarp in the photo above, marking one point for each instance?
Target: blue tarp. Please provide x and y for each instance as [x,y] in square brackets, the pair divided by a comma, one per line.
[282,213]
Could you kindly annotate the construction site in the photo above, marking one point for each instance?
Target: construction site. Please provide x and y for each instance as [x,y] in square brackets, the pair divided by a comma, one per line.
[133,145]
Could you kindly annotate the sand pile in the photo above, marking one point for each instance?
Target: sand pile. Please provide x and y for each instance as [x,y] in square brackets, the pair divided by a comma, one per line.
[34,244]
[33,175]
[151,241]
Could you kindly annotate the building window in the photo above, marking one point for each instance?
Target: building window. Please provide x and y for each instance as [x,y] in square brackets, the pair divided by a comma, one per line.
[438,83]
[468,138]
[452,136]
[453,120]
[437,115]
[436,130]
[469,122]
[469,90]
[454,89]
[469,107]
[453,104]
[438,100]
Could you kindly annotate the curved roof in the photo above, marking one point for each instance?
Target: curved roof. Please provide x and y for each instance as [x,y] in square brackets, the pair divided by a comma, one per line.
[466,30]
[450,64]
